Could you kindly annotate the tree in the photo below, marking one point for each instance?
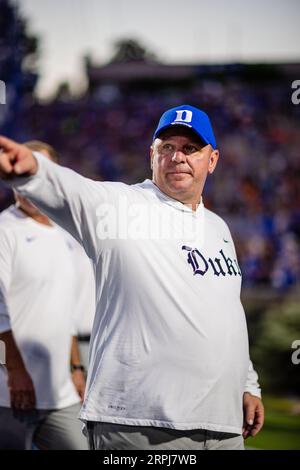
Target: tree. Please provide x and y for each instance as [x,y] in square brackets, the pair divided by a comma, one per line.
[18,54]
[130,50]
[272,352]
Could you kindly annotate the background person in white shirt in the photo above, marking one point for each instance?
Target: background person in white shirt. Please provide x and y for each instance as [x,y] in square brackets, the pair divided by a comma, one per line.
[85,302]
[38,401]
[169,358]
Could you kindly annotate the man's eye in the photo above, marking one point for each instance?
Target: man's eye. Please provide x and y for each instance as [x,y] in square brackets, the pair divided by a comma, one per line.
[167,147]
[190,149]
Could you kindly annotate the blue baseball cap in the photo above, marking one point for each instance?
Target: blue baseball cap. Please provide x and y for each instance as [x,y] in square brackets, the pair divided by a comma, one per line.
[189,116]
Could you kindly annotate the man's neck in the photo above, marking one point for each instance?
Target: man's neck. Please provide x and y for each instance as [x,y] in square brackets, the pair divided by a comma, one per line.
[192,204]
[40,218]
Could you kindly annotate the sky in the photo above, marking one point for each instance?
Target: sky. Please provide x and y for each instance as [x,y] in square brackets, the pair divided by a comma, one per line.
[177,31]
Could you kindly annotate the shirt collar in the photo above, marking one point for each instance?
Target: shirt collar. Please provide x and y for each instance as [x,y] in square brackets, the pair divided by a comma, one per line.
[148,184]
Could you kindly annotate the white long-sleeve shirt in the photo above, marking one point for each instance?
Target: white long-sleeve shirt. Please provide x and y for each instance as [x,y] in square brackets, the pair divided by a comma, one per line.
[37,289]
[84,289]
[169,345]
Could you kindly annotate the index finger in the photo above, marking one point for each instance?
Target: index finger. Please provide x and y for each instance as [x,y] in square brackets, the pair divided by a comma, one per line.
[259,414]
[258,422]
[31,400]
[6,143]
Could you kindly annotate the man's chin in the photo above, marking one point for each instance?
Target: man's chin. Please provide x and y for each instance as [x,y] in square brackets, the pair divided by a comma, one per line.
[179,176]
[179,180]
[178,186]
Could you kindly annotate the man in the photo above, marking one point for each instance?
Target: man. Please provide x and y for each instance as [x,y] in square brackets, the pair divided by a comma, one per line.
[39,403]
[169,360]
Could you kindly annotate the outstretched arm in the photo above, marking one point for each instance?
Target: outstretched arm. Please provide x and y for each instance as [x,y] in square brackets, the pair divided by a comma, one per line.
[65,196]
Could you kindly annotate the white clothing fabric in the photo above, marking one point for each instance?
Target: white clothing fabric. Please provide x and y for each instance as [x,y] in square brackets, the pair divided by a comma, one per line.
[169,345]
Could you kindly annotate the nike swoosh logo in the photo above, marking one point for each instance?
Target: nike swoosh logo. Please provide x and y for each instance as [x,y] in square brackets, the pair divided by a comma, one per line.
[30,239]
[225,241]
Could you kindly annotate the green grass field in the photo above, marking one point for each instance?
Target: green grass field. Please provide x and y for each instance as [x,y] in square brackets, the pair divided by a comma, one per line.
[282,427]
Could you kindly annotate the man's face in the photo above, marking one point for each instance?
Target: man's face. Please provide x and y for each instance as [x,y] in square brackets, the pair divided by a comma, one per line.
[180,162]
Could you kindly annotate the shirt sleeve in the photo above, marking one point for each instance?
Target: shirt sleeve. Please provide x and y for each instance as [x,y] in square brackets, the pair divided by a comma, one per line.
[252,385]
[68,198]
[5,279]
[84,286]
[74,329]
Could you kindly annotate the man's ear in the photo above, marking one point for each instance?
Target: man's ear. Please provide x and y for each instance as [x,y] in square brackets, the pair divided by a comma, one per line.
[151,157]
[213,160]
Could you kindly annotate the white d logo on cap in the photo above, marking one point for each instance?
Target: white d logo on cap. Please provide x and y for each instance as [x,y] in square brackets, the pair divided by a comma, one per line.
[184,115]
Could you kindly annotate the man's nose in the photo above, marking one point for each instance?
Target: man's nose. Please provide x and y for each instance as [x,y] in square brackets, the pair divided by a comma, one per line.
[179,156]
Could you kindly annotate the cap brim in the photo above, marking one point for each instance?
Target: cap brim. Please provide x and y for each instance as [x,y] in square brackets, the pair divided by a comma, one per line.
[179,124]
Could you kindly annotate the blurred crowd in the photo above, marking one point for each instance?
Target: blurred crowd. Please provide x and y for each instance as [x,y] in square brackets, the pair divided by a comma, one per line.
[256,185]
[106,135]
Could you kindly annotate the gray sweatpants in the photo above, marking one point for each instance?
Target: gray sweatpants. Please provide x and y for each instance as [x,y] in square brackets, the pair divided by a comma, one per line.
[45,429]
[109,436]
